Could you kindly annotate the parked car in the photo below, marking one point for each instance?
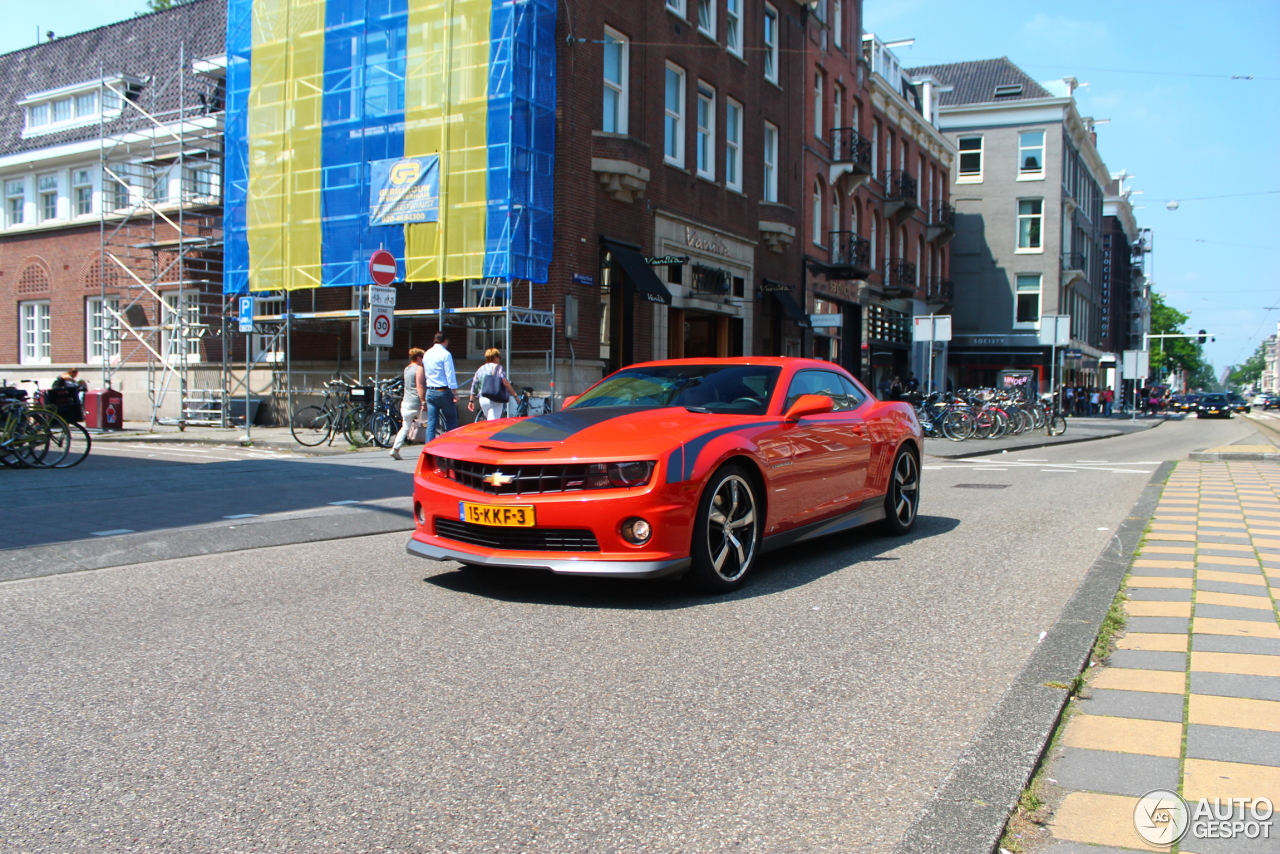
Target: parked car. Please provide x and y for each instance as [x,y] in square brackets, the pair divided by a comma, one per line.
[1238,403]
[1214,405]
[1266,400]
[688,467]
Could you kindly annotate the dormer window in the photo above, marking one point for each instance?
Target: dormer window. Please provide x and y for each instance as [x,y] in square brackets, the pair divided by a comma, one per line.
[1012,90]
[73,106]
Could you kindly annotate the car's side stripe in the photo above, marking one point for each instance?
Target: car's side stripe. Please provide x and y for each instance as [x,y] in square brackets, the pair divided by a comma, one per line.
[692,449]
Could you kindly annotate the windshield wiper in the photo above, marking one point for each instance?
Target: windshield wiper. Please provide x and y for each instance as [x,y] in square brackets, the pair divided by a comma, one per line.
[698,409]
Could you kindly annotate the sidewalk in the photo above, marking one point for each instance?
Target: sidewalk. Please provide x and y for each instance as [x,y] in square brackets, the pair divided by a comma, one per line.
[1190,700]
[271,438]
[1078,430]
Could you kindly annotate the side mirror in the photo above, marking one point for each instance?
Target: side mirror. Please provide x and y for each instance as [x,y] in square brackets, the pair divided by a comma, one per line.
[809,404]
[568,401]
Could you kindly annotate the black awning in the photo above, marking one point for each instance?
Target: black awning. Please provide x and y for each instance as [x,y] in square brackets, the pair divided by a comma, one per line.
[638,272]
[791,307]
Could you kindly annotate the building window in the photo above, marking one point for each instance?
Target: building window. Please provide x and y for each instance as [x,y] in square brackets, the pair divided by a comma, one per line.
[1030,216]
[1031,153]
[733,26]
[834,220]
[875,148]
[837,23]
[36,338]
[770,43]
[46,113]
[875,229]
[817,104]
[770,163]
[1027,310]
[183,327]
[817,213]
[733,145]
[48,188]
[970,159]
[676,6]
[103,331]
[16,201]
[160,185]
[707,17]
[617,66]
[82,191]
[837,106]
[706,132]
[673,136]
[202,183]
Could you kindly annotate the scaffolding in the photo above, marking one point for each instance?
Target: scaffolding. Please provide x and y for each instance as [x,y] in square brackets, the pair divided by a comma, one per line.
[160,263]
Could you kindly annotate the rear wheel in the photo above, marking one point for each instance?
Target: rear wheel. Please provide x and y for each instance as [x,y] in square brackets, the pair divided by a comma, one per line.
[726,535]
[902,500]
[385,428]
[359,427]
[1057,424]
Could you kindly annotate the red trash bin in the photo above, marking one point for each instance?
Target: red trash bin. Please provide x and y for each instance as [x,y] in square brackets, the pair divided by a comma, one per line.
[104,409]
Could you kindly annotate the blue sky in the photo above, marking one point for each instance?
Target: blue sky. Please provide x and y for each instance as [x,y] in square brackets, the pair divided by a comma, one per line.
[1160,71]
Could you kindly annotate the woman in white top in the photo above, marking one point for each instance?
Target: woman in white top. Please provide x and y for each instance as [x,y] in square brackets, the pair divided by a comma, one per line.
[492,365]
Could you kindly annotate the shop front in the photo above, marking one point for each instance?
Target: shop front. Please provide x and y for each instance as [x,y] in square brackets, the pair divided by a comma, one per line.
[837,320]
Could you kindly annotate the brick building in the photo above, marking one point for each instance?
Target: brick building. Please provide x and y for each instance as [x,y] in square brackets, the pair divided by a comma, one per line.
[108,212]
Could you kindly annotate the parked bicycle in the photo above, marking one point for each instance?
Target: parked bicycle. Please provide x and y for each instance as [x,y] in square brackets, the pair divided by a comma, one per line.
[36,436]
[336,415]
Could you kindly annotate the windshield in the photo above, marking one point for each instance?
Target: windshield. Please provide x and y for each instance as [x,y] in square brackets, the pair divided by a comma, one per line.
[741,389]
[1214,398]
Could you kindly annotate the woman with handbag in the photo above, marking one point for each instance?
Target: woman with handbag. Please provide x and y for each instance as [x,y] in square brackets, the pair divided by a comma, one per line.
[491,386]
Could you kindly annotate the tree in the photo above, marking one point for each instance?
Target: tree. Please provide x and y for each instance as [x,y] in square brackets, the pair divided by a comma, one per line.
[161,5]
[1173,354]
[1250,372]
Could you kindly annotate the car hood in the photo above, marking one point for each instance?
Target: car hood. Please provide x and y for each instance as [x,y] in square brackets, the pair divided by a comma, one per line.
[600,432]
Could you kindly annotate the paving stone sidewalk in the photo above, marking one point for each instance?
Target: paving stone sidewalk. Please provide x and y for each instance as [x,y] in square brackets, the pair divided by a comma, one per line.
[1190,701]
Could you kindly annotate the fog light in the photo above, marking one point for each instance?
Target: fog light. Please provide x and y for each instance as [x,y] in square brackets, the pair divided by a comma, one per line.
[636,531]
[417,514]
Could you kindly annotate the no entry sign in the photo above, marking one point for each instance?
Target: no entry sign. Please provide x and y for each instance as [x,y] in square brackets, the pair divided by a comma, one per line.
[382,267]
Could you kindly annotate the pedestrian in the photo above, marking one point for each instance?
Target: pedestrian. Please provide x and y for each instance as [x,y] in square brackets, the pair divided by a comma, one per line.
[415,395]
[913,384]
[66,395]
[1095,401]
[69,378]
[492,393]
[442,386]
[1108,398]
[895,389]
[1068,400]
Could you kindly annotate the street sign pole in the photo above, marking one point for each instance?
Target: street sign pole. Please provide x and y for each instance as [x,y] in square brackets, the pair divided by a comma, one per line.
[246,326]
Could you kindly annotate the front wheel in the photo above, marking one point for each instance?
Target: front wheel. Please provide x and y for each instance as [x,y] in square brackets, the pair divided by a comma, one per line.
[902,500]
[311,425]
[1057,425]
[726,535]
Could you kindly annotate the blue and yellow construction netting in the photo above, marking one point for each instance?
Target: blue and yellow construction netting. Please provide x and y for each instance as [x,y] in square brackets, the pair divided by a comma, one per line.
[317,90]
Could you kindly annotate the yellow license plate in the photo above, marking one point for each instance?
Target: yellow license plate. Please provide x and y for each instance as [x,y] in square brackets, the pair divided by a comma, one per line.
[497,515]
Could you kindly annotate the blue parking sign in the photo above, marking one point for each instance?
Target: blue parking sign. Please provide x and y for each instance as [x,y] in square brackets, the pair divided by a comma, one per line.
[246,314]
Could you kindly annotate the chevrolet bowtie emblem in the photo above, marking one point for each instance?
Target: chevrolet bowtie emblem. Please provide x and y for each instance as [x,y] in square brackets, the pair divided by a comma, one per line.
[498,479]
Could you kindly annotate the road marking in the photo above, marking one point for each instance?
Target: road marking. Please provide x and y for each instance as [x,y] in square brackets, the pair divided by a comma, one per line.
[988,468]
[1093,461]
[1066,471]
[112,532]
[241,516]
[339,503]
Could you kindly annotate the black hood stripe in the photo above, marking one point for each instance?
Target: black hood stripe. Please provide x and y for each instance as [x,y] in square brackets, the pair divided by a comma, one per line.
[558,426]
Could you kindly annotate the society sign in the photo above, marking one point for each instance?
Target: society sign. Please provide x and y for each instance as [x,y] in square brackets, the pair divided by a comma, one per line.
[381,326]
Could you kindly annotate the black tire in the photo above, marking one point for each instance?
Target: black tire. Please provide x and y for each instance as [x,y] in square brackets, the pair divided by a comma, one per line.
[79,444]
[359,427]
[902,499]
[385,428]
[726,533]
[1057,425]
[311,426]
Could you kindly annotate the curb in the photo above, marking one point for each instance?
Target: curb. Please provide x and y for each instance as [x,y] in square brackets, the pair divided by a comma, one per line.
[969,811]
[229,442]
[1233,456]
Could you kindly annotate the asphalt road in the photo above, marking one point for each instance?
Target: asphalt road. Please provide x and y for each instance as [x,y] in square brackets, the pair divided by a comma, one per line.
[340,696]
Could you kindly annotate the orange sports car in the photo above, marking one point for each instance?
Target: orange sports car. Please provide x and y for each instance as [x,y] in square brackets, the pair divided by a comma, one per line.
[690,466]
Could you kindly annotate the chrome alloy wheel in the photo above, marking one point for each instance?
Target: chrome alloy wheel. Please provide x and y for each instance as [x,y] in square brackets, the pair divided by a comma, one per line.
[731,528]
[905,490]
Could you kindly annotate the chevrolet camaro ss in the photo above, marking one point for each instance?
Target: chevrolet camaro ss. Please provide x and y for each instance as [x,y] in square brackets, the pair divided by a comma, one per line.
[688,467]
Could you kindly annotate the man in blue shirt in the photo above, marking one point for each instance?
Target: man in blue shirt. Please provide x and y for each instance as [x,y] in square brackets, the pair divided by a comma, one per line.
[442,385]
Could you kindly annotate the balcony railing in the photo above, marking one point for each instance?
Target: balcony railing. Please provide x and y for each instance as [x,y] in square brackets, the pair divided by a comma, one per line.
[850,255]
[938,289]
[900,185]
[1074,261]
[941,215]
[849,146]
[901,279]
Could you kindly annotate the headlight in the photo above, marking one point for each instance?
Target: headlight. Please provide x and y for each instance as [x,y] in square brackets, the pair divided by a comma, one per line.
[624,475]
[442,466]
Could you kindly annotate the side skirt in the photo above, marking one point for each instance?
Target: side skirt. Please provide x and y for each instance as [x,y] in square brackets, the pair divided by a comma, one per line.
[871,510]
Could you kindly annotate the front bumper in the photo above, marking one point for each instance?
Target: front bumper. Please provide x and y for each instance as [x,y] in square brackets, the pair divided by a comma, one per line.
[605,568]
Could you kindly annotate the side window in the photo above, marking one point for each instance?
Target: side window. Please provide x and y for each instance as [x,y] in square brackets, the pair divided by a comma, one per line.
[819,382]
[856,396]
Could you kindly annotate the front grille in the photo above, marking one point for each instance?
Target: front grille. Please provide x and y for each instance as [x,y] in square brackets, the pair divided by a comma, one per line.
[530,479]
[517,539]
